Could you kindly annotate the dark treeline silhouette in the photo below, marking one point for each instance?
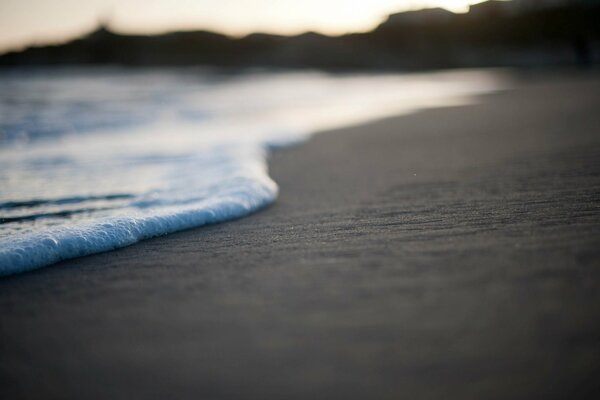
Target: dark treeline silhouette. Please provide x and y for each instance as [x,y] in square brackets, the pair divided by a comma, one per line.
[489,35]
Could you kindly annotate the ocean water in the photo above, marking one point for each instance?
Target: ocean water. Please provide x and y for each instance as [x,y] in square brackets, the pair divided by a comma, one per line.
[96,159]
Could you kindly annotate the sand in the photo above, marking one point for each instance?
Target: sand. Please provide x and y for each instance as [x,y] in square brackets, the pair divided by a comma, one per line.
[452,253]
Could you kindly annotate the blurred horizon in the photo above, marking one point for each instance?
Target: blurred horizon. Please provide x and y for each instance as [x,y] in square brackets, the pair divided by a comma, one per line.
[26,23]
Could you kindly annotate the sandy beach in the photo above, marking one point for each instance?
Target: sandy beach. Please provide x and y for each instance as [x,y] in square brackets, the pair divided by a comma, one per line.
[451,253]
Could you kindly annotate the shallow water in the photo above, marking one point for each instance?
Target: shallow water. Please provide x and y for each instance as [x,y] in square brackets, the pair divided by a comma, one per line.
[96,159]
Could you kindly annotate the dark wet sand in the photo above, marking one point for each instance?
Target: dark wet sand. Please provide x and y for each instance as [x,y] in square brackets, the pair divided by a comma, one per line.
[449,254]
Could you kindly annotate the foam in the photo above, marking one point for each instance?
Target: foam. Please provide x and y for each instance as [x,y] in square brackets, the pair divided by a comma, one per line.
[62,243]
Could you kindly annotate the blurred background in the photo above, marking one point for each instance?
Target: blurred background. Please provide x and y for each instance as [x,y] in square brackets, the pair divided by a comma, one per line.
[332,34]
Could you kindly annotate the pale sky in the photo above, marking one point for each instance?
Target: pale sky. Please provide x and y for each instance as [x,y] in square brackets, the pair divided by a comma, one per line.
[23,22]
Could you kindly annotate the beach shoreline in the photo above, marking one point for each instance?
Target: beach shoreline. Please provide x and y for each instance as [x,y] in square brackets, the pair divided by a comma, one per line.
[447,253]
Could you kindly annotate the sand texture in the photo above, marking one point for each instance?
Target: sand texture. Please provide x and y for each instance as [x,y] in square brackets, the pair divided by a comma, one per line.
[449,254]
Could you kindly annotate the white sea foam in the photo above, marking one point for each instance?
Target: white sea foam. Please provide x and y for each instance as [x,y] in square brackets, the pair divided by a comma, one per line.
[91,161]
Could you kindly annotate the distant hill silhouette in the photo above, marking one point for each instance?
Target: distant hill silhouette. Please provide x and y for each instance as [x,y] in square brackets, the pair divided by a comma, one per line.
[489,35]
